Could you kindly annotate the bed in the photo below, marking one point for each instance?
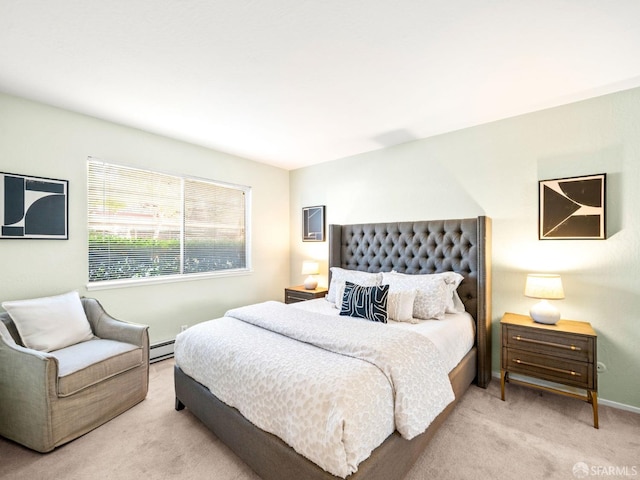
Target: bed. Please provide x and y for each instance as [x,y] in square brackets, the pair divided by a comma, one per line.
[413,248]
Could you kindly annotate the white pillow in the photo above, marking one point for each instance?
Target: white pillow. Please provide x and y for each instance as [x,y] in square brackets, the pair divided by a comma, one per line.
[340,275]
[400,305]
[452,279]
[458,306]
[433,293]
[340,286]
[50,323]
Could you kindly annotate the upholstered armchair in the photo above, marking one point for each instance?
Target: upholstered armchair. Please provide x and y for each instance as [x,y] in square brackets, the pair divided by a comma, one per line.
[48,398]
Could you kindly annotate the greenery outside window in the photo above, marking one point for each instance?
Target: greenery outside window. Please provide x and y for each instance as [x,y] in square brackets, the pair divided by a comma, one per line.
[150,226]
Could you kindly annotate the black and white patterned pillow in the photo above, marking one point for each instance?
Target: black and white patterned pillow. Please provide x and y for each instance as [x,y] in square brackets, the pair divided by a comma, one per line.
[365,302]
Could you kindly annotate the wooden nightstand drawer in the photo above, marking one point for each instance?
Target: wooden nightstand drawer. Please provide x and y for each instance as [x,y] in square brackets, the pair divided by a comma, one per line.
[567,372]
[300,294]
[564,353]
[293,297]
[558,344]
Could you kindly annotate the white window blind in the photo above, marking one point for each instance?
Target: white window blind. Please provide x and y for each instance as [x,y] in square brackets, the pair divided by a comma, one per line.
[145,224]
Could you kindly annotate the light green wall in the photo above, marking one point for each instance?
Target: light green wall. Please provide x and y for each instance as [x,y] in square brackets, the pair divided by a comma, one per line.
[493,170]
[47,142]
[489,170]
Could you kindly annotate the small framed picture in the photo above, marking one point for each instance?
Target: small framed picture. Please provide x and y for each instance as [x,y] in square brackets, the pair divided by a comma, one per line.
[313,224]
[572,208]
[33,207]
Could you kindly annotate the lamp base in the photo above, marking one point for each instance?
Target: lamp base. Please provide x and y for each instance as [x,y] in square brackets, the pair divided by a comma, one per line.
[310,283]
[544,312]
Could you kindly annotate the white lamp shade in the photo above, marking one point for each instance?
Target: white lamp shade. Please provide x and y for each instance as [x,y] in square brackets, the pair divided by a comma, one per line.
[546,287]
[310,268]
[542,285]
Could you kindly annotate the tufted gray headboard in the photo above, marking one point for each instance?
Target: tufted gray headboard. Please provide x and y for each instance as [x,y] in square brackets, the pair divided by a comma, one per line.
[431,246]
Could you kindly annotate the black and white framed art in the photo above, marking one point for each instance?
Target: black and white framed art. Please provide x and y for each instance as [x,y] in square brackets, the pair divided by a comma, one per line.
[33,207]
[572,208]
[313,229]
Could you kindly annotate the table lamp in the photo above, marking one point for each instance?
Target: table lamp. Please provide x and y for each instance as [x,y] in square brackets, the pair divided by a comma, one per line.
[545,287]
[310,268]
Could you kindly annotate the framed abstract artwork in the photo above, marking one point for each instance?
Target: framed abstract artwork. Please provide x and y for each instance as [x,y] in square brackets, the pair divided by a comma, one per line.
[33,207]
[572,208]
[313,224]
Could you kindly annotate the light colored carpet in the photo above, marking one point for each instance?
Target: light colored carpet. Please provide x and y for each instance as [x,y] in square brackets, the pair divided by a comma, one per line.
[533,435]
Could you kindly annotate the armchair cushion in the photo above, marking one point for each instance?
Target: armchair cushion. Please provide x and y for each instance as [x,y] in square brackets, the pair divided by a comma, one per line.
[88,363]
[50,323]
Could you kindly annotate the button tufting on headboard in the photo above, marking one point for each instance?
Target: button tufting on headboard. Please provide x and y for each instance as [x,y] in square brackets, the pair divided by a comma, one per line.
[461,245]
[414,248]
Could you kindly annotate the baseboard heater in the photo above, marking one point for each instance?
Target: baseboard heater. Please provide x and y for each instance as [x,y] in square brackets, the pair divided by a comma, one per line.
[161,351]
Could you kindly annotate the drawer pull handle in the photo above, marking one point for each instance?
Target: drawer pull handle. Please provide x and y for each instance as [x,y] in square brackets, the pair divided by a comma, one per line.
[549,344]
[560,370]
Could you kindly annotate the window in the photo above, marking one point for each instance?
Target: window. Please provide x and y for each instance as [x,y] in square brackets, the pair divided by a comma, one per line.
[148,226]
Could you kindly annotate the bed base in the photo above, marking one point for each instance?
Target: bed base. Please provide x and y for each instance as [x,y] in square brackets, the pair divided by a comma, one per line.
[272,459]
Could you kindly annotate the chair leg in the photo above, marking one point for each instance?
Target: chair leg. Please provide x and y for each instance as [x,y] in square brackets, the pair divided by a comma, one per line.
[179,404]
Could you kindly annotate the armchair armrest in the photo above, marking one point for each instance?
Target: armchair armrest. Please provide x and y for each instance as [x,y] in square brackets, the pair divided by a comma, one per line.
[107,327]
[28,380]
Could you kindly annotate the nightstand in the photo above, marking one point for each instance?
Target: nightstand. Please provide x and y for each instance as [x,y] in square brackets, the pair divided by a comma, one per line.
[300,294]
[564,353]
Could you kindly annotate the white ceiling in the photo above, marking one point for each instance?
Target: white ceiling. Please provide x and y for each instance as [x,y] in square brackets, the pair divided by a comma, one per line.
[297,82]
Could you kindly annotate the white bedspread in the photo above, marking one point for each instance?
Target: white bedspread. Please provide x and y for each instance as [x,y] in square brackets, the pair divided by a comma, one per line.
[333,388]
[454,335]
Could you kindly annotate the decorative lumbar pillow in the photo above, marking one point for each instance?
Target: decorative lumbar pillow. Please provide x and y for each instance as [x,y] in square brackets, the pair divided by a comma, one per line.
[340,275]
[400,305]
[432,297]
[50,323]
[365,302]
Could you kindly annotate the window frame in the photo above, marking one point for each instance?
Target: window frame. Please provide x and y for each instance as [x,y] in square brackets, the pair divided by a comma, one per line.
[178,277]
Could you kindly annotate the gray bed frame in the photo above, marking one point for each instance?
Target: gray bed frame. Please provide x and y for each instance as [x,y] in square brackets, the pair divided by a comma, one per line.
[460,245]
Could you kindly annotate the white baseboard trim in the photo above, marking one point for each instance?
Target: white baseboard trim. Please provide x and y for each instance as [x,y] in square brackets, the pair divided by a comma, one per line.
[161,351]
[542,383]
[619,406]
